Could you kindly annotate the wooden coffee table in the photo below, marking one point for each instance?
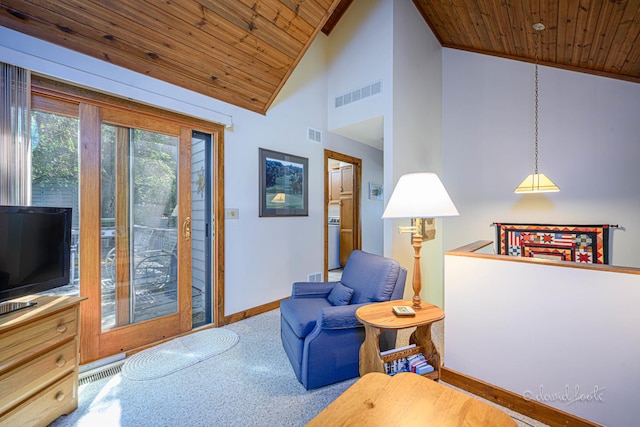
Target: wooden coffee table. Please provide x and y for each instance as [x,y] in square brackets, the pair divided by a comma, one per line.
[407,399]
[379,316]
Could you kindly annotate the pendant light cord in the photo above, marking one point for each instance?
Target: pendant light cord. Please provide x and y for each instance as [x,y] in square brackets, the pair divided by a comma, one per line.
[537,182]
[536,104]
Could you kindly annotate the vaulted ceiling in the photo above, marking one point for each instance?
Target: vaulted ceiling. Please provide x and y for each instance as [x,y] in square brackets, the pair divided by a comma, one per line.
[594,36]
[243,51]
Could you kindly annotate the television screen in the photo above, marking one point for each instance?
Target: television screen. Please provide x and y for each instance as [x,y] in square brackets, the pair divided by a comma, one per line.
[35,249]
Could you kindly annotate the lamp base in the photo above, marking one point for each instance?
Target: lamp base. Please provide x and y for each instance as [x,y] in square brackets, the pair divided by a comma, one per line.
[417,276]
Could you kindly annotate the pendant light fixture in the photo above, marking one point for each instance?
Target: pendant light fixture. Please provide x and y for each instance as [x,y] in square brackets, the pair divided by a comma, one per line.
[537,182]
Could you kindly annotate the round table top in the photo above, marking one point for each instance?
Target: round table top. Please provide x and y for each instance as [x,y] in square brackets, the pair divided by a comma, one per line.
[381,315]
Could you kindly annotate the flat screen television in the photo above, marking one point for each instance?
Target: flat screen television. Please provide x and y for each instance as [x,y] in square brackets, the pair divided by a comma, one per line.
[35,250]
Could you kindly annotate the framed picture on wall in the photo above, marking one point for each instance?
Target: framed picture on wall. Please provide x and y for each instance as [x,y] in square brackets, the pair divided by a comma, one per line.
[375,191]
[284,184]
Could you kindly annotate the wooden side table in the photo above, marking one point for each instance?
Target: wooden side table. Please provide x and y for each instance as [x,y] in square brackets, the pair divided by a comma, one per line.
[407,400]
[379,316]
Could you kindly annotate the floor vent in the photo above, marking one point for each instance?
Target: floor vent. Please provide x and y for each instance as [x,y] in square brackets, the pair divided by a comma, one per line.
[359,94]
[314,135]
[100,373]
[314,277]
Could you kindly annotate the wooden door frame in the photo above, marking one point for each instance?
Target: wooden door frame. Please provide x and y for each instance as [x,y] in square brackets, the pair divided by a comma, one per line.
[357,187]
[65,99]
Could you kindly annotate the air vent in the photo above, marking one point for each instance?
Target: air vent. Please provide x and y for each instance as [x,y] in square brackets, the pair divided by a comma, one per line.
[359,94]
[100,373]
[314,277]
[314,135]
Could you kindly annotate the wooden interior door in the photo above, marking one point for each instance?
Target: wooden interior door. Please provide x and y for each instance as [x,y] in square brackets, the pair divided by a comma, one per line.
[347,213]
[335,185]
[349,199]
[346,228]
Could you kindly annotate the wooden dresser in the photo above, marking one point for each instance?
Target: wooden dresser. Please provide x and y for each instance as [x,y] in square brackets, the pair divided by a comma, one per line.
[39,358]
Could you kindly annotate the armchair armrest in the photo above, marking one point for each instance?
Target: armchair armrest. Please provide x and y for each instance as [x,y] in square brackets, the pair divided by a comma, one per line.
[311,289]
[339,317]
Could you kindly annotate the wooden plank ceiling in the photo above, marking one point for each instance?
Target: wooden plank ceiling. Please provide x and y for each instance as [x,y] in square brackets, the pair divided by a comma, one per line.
[594,36]
[243,51]
[237,51]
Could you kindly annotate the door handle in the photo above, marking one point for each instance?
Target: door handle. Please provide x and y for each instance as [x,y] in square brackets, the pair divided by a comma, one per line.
[186,228]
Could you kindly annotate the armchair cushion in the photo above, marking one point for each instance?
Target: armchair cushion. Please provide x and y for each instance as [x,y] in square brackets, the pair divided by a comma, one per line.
[311,289]
[340,294]
[372,277]
[339,317]
[301,313]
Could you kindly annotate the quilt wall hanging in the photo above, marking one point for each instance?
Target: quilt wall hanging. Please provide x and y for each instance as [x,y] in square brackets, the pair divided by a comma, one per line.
[578,243]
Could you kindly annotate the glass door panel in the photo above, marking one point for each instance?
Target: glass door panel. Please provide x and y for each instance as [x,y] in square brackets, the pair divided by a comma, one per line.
[54,177]
[201,212]
[139,225]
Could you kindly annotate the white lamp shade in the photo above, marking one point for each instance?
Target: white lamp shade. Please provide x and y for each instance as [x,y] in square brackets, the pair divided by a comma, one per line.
[419,195]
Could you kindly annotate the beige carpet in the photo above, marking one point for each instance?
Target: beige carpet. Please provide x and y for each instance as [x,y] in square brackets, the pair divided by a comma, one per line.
[251,385]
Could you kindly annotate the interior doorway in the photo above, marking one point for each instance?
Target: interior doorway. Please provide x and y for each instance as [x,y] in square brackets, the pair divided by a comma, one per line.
[342,210]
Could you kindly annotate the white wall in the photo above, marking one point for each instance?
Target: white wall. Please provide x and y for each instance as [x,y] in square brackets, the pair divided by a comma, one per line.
[416,135]
[566,337]
[360,53]
[263,255]
[588,141]
[371,210]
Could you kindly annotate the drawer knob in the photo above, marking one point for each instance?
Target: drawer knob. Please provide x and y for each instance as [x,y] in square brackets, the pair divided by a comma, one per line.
[62,328]
[61,362]
[60,396]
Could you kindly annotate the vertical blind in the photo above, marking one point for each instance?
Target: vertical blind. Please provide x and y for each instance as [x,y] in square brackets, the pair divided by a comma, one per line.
[15,145]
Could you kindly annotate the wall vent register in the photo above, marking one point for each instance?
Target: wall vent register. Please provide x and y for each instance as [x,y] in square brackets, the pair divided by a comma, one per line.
[358,94]
[314,135]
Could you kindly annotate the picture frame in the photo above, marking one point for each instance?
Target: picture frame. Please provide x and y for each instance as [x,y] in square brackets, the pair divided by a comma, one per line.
[375,191]
[284,184]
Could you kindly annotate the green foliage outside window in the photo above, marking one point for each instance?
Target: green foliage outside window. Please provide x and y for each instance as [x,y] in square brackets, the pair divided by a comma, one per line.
[54,142]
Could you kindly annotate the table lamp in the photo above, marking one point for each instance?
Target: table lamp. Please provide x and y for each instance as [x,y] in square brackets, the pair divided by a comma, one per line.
[418,195]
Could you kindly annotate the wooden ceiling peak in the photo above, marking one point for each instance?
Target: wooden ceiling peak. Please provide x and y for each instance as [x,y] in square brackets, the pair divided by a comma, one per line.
[333,20]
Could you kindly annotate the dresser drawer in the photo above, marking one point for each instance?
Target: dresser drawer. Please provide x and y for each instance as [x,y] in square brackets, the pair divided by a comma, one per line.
[20,382]
[32,338]
[44,407]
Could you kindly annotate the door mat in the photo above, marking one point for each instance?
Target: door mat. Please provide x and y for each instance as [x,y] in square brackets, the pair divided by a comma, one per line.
[178,354]
[577,243]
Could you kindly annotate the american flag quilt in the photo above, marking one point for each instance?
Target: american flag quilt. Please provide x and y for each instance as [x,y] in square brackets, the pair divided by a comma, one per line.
[577,243]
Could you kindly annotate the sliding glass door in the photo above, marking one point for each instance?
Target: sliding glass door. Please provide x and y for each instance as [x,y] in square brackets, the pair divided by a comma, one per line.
[147,253]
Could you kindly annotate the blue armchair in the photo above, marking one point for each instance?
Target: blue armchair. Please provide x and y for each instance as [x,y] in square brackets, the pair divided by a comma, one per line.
[318,326]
